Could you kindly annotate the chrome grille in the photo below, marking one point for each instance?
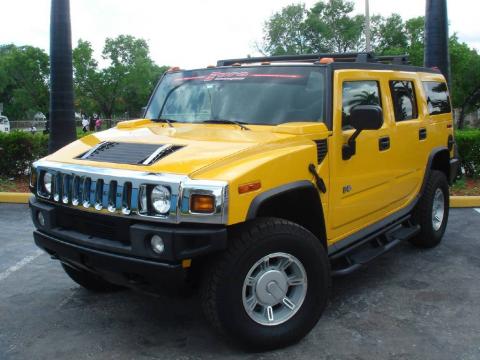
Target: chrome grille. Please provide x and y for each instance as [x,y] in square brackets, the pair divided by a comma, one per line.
[116,191]
[76,190]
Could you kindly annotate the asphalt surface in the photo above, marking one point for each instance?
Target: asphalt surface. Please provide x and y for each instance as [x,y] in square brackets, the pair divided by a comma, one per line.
[408,304]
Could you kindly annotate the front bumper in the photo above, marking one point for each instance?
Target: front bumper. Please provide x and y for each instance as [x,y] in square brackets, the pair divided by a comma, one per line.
[118,249]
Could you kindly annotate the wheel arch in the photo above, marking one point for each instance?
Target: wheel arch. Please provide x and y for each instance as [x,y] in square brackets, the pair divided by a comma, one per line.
[298,202]
[439,159]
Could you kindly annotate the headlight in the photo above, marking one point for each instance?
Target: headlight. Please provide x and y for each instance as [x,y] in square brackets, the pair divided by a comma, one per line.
[47,182]
[160,198]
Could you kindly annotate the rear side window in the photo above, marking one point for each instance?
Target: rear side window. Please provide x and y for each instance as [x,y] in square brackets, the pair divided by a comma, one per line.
[438,99]
[404,100]
[356,93]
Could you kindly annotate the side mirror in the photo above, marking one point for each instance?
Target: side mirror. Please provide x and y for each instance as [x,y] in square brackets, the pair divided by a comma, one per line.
[362,117]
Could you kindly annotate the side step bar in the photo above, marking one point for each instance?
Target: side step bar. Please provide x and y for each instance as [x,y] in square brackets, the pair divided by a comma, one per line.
[354,257]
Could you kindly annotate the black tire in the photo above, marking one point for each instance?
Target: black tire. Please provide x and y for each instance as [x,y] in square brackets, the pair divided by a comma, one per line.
[422,215]
[90,281]
[222,285]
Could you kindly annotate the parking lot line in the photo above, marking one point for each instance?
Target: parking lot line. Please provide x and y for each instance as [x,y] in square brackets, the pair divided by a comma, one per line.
[477,210]
[5,274]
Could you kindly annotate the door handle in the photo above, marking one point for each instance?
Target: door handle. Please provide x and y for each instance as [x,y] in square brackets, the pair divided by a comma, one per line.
[422,134]
[384,143]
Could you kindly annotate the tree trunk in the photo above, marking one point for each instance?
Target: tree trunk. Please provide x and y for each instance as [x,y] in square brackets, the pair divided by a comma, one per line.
[62,114]
[461,118]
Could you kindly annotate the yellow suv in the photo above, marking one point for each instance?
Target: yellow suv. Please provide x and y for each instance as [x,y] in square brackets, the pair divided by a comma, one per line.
[255,181]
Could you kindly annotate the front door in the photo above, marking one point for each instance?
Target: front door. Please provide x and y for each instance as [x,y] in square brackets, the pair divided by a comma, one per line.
[360,186]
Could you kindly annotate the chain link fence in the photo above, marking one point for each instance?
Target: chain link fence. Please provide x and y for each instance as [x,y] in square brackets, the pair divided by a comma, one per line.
[40,126]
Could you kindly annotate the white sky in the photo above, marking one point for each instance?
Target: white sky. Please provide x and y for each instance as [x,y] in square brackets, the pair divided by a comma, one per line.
[192,33]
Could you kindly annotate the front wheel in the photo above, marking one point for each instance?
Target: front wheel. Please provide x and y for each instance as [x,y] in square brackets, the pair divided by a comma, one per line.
[271,286]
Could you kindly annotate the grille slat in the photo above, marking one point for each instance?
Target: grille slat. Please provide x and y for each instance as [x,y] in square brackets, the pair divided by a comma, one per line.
[127,198]
[57,187]
[112,196]
[99,194]
[86,192]
[76,193]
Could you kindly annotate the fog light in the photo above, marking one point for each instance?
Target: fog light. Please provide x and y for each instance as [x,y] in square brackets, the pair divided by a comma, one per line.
[157,243]
[41,218]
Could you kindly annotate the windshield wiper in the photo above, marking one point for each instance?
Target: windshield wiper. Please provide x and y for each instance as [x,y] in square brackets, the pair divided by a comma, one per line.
[226,121]
[168,121]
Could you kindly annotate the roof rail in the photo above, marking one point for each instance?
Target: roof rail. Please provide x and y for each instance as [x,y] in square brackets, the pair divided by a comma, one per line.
[362,57]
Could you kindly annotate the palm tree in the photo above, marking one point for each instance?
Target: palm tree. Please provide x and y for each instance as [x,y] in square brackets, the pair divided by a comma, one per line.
[62,115]
[364,98]
[436,36]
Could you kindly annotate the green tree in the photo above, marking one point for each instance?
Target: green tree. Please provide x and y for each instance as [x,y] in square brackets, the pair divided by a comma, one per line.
[393,38]
[87,79]
[286,32]
[332,27]
[415,31]
[465,68]
[326,27]
[24,77]
[121,87]
[132,71]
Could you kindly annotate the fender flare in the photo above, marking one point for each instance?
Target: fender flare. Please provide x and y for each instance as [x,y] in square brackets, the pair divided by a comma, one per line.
[259,200]
[428,169]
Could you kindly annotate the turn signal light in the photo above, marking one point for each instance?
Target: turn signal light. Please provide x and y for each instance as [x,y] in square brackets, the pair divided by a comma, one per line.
[202,204]
[245,188]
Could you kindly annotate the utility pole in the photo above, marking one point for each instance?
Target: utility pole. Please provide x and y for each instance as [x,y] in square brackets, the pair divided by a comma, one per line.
[62,114]
[368,46]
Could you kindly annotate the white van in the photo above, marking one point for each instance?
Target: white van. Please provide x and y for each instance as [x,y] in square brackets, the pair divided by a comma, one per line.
[4,124]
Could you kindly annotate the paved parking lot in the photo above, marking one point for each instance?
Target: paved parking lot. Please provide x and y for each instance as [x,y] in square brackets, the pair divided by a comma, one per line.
[409,304]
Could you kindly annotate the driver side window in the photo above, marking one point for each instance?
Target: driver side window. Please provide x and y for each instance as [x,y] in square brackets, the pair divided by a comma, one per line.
[358,93]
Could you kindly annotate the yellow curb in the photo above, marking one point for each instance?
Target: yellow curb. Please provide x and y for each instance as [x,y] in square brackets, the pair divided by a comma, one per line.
[464,201]
[12,197]
[455,201]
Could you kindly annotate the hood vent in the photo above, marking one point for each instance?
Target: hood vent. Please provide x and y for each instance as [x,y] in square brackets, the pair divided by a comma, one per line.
[128,153]
[322,149]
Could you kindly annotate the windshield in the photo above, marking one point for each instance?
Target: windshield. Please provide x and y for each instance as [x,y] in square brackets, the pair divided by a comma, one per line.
[264,95]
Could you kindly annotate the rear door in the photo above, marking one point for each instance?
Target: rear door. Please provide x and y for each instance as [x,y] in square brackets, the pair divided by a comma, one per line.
[409,137]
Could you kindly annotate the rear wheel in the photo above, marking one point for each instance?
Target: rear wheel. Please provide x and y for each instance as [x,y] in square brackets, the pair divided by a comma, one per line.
[89,280]
[271,286]
[432,211]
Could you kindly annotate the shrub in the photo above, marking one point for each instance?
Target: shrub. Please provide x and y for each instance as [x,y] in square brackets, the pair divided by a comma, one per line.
[468,145]
[18,150]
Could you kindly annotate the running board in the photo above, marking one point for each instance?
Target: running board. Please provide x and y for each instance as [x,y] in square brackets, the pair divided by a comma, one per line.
[354,257]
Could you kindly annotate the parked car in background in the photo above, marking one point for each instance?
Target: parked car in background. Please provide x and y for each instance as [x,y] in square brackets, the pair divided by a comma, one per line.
[4,124]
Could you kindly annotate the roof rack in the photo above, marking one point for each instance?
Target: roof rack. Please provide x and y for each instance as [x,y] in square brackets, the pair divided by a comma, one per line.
[359,57]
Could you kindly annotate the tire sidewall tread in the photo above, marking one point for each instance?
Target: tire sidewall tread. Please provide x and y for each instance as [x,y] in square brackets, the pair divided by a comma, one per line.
[422,215]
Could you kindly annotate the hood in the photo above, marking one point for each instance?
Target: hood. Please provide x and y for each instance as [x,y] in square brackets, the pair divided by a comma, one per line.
[183,149]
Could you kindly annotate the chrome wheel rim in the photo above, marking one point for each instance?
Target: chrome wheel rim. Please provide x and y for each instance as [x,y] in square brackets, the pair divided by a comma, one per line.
[438,210]
[274,289]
